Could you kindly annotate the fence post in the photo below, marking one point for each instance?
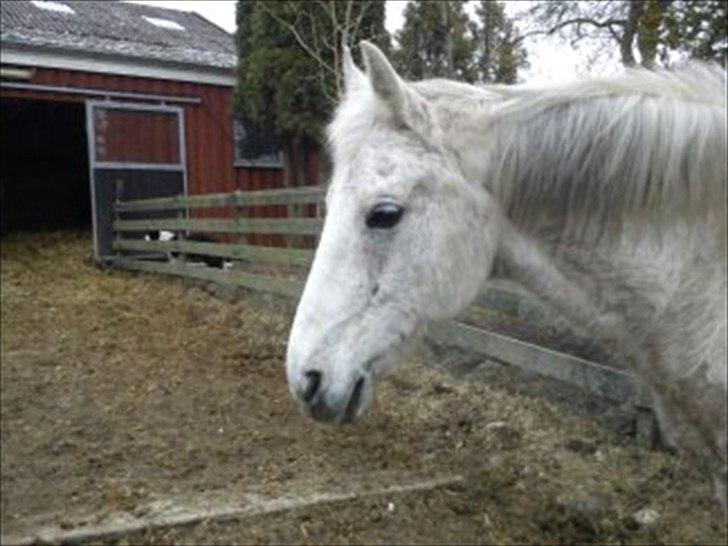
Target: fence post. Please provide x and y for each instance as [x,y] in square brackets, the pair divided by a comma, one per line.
[182,234]
[119,189]
[240,213]
[320,213]
[647,430]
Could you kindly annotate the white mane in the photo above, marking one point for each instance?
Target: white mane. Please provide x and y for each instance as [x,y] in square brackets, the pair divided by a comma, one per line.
[589,154]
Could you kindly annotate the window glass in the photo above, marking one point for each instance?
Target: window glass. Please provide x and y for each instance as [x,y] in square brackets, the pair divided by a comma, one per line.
[254,147]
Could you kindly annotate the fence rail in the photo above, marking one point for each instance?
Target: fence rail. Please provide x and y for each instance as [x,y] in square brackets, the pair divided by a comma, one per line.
[594,378]
[293,226]
[253,253]
[275,285]
[284,196]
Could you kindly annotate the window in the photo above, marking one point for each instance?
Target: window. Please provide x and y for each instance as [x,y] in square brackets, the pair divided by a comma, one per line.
[58,7]
[163,23]
[256,148]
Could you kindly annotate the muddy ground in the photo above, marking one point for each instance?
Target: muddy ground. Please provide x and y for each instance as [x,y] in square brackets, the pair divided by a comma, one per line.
[119,389]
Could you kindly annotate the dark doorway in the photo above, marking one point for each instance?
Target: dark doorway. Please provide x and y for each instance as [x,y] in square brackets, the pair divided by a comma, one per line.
[44,176]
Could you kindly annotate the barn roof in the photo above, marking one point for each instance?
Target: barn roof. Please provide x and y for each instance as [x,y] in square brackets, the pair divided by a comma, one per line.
[120,30]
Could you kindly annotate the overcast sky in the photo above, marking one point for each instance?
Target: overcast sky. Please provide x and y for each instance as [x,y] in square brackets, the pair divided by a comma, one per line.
[551,59]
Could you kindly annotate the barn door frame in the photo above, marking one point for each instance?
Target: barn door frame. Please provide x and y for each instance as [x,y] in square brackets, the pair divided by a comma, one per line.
[94,164]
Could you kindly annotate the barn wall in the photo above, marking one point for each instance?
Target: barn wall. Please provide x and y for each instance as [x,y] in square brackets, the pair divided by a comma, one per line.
[208,125]
[156,136]
[209,137]
[250,179]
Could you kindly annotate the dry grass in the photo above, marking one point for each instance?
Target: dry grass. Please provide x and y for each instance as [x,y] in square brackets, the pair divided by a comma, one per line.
[118,389]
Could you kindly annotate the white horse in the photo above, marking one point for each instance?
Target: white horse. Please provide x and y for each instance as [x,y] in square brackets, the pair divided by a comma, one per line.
[606,197]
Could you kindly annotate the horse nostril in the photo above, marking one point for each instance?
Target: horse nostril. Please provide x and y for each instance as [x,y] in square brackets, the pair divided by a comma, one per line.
[354,401]
[313,378]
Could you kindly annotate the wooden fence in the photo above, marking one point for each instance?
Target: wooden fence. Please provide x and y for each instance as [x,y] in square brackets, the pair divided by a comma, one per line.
[594,378]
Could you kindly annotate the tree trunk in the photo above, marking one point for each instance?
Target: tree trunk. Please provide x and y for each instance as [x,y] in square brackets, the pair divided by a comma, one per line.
[636,9]
[445,21]
[649,31]
[487,29]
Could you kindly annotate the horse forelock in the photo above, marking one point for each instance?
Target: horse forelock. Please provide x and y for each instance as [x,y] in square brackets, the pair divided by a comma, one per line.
[352,122]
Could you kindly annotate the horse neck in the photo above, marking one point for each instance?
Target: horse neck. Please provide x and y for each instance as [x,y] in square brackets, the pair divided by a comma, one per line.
[524,257]
[611,273]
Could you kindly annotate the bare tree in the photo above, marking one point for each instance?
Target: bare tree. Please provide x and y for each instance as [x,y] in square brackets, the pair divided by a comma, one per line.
[647,27]
[448,42]
[320,27]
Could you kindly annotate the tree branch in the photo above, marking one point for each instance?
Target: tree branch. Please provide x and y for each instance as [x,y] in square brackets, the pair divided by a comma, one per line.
[608,24]
[298,38]
[354,29]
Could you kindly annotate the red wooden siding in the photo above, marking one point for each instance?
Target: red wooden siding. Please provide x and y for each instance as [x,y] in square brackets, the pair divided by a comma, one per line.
[248,179]
[209,138]
[156,136]
[208,125]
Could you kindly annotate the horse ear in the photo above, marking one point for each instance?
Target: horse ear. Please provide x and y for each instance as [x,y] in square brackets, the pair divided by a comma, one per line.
[384,79]
[353,77]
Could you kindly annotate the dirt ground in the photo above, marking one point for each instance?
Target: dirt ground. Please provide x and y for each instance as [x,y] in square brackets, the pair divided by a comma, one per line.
[119,389]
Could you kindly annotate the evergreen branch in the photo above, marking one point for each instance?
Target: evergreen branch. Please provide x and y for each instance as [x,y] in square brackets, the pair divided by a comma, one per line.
[298,38]
[359,19]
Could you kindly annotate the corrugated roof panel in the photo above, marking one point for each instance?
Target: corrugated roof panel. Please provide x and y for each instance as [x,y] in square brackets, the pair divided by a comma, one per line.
[49,5]
[117,28]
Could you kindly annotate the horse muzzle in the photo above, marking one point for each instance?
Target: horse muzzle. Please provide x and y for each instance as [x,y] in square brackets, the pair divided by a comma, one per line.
[326,404]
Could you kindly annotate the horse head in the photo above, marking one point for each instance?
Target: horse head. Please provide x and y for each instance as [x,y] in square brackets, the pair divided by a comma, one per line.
[407,239]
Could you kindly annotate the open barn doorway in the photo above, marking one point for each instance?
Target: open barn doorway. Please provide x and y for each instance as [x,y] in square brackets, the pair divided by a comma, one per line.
[44,176]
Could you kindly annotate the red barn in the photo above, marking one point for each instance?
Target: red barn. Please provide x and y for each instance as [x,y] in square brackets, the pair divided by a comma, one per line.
[98,92]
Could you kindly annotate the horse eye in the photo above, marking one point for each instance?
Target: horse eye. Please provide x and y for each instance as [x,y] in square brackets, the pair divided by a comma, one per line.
[384,216]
